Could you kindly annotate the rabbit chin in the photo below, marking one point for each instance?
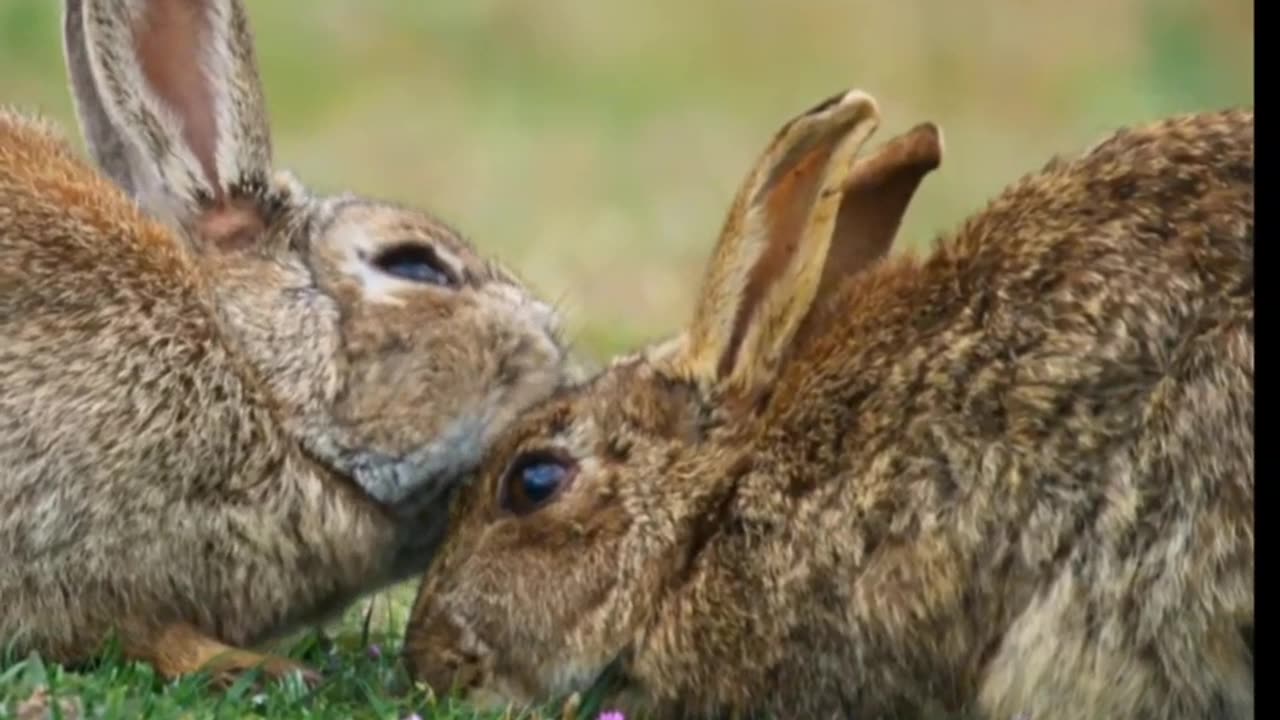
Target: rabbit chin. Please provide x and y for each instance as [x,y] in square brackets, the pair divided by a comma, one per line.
[498,693]
[497,699]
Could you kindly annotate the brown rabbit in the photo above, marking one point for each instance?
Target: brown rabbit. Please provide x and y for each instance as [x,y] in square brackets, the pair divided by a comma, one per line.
[1013,477]
[229,406]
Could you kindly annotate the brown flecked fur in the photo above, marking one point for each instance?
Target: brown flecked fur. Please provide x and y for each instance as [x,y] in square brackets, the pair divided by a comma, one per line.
[220,418]
[1014,476]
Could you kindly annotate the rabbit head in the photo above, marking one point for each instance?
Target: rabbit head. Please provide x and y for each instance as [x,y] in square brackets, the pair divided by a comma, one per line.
[392,348]
[595,500]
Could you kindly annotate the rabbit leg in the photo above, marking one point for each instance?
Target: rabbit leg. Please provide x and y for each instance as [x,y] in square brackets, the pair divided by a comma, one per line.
[179,649]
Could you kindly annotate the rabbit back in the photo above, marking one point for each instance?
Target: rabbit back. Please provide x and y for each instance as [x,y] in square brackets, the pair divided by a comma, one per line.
[1039,442]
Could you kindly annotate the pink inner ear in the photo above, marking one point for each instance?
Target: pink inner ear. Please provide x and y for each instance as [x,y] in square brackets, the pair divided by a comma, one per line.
[231,225]
[170,39]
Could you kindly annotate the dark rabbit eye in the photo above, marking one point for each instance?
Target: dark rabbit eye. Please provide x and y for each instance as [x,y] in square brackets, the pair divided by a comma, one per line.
[534,479]
[418,263]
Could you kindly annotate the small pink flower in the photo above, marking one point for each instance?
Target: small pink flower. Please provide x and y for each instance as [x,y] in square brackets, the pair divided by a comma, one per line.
[375,652]
[611,715]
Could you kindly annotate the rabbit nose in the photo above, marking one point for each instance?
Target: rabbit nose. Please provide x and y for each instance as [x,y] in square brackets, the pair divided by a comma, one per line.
[451,673]
[436,655]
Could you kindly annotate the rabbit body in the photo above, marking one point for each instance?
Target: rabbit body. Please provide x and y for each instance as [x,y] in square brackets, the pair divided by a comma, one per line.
[1013,478]
[144,464]
[229,406]
[1022,466]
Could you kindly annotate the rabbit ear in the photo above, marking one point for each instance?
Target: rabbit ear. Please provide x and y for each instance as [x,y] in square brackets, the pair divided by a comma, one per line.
[876,196]
[170,103]
[106,145]
[767,266]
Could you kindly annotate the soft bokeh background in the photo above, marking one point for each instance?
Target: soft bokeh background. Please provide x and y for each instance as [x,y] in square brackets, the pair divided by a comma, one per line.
[594,144]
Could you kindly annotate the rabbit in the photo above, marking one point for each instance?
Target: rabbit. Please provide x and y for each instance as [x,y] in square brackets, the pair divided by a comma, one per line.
[230,406]
[1011,478]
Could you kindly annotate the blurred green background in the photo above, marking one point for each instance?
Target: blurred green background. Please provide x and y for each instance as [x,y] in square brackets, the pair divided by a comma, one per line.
[594,146]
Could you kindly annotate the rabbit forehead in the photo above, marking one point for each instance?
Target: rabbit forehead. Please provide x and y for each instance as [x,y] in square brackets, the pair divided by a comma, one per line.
[355,224]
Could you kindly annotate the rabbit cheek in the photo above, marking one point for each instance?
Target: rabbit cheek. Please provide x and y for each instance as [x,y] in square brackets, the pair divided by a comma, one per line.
[540,626]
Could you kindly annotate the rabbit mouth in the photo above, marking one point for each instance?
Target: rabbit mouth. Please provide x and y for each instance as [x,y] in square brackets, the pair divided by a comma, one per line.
[487,685]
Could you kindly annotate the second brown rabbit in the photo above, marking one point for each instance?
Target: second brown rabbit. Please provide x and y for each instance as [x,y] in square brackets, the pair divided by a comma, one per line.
[1014,478]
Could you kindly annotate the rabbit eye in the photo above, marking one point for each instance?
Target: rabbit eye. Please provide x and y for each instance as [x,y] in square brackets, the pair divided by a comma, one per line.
[417,263]
[534,479]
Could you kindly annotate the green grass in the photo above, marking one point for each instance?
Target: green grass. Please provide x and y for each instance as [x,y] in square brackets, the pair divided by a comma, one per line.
[595,146]
[358,658]
[356,687]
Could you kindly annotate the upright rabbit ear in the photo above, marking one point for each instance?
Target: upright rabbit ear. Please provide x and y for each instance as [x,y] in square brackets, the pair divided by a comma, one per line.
[876,195]
[171,107]
[768,264]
